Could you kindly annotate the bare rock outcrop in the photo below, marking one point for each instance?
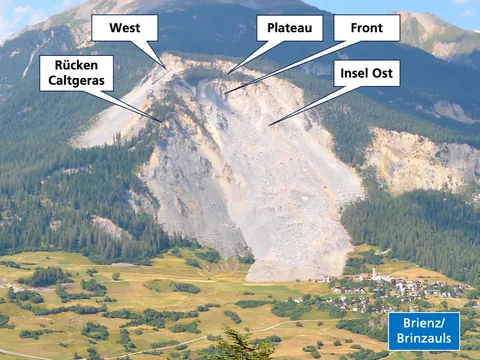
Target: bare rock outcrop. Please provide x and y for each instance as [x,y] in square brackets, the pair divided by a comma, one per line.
[110,228]
[223,176]
[407,162]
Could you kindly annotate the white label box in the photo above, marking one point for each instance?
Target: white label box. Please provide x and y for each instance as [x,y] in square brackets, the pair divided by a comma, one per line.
[76,73]
[275,29]
[367,27]
[358,73]
[138,29]
[90,74]
[279,28]
[135,28]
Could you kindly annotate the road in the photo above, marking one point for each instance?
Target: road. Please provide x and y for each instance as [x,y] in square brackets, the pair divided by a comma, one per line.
[22,355]
[27,356]
[204,337]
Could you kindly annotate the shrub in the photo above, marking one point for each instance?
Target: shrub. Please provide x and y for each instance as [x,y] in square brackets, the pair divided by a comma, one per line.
[363,326]
[214,337]
[26,295]
[183,328]
[272,339]
[35,334]
[108,299]
[90,272]
[150,317]
[10,264]
[46,277]
[163,344]
[206,307]
[193,262]
[125,340]
[210,255]
[233,315]
[290,309]
[95,331]
[244,304]
[67,297]
[78,309]
[182,287]
[248,259]
[93,286]
[93,354]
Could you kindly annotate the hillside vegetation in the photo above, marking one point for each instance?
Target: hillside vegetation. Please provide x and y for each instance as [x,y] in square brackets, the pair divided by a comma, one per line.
[434,229]
[136,319]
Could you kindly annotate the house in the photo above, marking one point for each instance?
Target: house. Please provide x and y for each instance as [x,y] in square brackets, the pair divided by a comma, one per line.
[322,279]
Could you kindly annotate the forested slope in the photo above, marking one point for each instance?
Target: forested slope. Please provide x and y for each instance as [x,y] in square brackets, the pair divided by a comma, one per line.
[437,230]
[49,191]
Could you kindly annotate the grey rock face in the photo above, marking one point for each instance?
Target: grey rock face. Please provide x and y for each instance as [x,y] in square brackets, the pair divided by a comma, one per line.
[220,174]
[223,176]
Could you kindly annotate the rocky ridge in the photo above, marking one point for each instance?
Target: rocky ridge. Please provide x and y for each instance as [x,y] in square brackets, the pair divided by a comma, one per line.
[223,176]
[407,162]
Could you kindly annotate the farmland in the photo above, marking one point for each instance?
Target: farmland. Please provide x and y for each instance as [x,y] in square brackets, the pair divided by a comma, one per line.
[168,285]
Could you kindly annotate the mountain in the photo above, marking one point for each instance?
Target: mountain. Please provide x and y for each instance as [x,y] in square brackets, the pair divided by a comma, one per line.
[296,195]
[78,17]
[446,41]
[222,176]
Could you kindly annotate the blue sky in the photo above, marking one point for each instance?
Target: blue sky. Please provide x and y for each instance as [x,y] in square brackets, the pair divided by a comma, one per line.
[15,14]
[462,13]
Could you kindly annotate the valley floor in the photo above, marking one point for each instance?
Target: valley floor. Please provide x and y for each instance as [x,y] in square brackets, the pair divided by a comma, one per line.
[140,288]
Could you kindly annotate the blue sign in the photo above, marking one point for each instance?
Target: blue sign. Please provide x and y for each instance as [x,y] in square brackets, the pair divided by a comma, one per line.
[424,331]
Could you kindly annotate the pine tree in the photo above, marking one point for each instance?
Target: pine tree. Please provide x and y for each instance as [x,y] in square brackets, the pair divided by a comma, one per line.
[240,347]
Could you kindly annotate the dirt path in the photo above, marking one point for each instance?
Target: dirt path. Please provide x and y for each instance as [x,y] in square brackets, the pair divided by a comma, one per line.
[174,346]
[204,337]
[22,355]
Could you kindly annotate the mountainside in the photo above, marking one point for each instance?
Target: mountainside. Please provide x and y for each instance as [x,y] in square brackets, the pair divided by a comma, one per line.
[229,30]
[78,17]
[225,178]
[409,162]
[214,171]
[434,35]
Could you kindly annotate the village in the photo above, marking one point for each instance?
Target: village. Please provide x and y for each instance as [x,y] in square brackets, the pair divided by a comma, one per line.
[390,293]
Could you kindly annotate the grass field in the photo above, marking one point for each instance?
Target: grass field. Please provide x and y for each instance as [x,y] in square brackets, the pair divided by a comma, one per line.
[132,292]
[403,269]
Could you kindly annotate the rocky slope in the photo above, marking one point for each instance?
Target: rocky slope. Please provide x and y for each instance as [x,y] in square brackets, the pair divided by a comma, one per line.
[434,35]
[407,162]
[222,175]
[218,172]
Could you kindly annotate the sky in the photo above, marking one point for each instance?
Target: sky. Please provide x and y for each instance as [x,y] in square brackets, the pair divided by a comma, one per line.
[462,13]
[15,14]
